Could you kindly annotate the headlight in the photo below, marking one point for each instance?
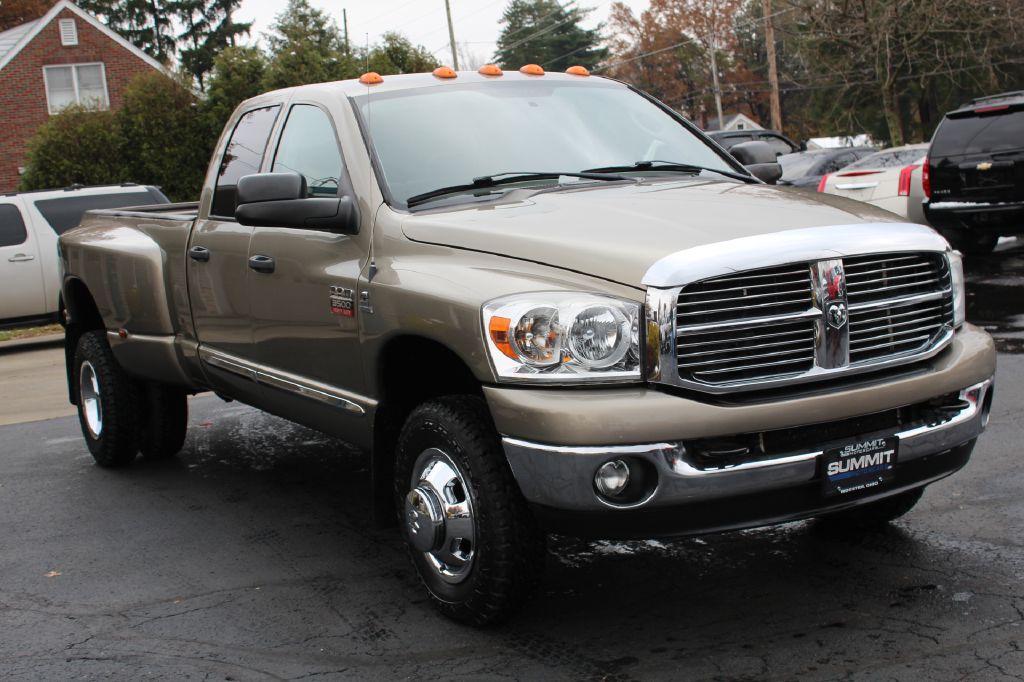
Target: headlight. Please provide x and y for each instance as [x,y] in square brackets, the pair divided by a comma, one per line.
[563,337]
[956,275]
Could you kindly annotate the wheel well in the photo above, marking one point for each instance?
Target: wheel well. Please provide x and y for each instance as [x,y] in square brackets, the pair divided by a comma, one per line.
[410,371]
[79,314]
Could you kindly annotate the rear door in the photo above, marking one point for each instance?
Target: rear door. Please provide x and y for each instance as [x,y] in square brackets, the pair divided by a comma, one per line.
[21,274]
[306,310]
[217,263]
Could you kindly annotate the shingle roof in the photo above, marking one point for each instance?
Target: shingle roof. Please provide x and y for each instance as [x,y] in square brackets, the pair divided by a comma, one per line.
[10,37]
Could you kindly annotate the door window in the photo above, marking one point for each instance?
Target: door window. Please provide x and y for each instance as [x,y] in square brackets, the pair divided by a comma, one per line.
[308,147]
[243,156]
[12,227]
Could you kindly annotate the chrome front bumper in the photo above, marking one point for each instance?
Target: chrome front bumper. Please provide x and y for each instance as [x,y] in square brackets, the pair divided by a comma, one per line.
[562,477]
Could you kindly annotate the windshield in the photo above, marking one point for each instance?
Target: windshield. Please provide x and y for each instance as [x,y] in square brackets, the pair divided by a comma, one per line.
[427,138]
[979,134]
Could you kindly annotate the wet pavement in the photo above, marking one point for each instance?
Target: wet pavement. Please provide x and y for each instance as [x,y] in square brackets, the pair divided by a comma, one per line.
[252,558]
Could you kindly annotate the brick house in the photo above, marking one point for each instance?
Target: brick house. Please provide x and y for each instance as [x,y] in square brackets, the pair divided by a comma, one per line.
[65,56]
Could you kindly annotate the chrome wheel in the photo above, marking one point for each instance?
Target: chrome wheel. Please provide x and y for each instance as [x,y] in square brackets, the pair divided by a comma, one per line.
[89,399]
[439,516]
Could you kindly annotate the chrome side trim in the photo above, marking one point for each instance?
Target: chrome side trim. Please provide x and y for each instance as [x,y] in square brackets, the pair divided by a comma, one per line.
[275,378]
[789,246]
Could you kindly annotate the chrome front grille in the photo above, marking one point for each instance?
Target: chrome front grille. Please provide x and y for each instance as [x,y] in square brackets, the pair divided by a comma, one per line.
[812,319]
[887,317]
[718,344]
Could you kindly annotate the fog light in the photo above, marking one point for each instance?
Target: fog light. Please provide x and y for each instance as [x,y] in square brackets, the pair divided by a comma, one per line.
[612,478]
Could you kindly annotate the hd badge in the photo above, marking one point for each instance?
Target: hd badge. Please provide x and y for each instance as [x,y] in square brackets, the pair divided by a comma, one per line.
[343,302]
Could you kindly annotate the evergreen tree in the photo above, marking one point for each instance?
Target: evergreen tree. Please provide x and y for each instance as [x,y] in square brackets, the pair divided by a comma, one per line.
[144,23]
[306,47]
[237,75]
[547,33]
[395,54]
[208,27]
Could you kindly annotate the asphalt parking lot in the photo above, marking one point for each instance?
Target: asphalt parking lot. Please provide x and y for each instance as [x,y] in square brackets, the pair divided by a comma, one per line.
[252,557]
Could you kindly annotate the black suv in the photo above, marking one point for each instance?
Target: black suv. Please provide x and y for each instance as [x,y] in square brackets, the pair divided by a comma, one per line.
[974,175]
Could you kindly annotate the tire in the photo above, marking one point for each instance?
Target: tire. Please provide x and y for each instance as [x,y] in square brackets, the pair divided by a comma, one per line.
[481,583]
[874,515]
[166,422]
[108,402]
[970,243]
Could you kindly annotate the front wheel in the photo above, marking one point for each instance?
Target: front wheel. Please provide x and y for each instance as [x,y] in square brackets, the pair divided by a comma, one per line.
[473,541]
[108,402]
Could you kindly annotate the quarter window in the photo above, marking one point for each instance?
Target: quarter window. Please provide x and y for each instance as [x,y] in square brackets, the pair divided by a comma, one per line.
[84,84]
[243,156]
[12,227]
[308,147]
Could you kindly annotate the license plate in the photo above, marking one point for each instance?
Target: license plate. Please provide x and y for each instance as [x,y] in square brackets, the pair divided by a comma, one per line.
[861,465]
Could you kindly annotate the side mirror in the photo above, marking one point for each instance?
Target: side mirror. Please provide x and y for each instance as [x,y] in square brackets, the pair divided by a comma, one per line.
[760,159]
[280,200]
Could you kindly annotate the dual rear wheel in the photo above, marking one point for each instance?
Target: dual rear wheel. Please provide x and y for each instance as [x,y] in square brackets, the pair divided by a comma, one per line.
[120,416]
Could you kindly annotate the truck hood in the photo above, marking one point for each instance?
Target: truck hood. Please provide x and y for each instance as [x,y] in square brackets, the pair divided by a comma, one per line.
[619,232]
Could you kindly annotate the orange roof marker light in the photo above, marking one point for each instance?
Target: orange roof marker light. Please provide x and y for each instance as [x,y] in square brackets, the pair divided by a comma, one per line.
[445,72]
[490,70]
[370,78]
[577,71]
[532,70]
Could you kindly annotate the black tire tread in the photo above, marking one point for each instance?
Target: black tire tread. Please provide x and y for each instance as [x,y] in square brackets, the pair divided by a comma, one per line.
[166,422]
[118,443]
[510,558]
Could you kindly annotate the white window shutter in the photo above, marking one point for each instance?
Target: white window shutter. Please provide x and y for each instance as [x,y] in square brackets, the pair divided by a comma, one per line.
[68,32]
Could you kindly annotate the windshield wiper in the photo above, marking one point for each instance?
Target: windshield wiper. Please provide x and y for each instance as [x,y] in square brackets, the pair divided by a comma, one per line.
[487,181]
[655,164]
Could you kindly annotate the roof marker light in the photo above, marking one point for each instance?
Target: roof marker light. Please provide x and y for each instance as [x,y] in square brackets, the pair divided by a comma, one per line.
[371,78]
[577,71]
[445,72]
[532,70]
[490,70]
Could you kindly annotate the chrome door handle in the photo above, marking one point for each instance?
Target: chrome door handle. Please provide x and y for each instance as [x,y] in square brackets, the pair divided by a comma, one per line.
[20,258]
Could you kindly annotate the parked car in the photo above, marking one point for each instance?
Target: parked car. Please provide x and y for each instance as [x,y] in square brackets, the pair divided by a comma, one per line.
[612,346]
[974,177]
[889,179]
[30,223]
[779,143]
[806,169]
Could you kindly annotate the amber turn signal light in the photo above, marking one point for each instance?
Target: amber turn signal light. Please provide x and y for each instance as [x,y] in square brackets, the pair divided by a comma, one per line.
[490,70]
[445,72]
[498,328]
[532,70]
[577,71]
[370,78]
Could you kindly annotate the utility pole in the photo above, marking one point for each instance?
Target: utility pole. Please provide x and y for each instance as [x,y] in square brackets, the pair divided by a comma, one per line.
[451,36]
[773,71]
[718,89]
[344,23]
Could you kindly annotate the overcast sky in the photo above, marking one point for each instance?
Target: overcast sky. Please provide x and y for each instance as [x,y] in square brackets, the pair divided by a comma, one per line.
[422,21]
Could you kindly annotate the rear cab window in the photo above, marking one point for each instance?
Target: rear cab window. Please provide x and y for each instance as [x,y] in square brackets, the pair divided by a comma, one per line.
[243,156]
[12,226]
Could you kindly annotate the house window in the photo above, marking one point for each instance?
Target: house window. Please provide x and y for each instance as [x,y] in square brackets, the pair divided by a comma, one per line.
[84,84]
[68,32]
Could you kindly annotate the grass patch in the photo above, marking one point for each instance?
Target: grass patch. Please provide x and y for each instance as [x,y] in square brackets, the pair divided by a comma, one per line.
[30,332]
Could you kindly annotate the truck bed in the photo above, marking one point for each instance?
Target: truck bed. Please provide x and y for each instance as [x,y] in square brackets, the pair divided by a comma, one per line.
[182,211]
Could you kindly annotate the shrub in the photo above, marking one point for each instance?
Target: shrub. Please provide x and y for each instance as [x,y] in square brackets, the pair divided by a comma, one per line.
[78,145]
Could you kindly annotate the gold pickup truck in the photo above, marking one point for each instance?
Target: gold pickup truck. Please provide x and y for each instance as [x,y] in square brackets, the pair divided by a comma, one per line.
[541,303]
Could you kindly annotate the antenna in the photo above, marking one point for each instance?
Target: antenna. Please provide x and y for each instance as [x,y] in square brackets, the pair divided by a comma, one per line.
[369,159]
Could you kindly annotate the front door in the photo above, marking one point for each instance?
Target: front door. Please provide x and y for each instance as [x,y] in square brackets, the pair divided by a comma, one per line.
[21,270]
[218,268]
[305,305]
